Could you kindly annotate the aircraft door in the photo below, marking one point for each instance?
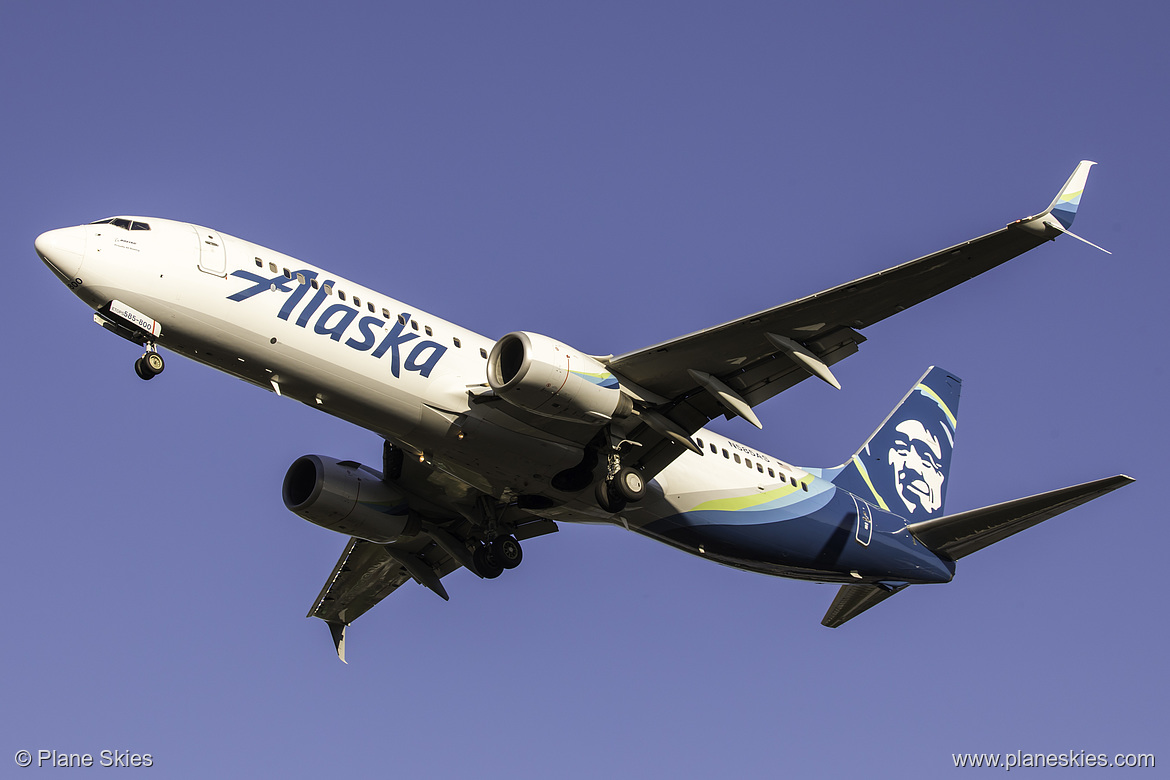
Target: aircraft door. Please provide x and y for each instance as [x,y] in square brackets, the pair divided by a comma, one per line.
[864,530]
[212,253]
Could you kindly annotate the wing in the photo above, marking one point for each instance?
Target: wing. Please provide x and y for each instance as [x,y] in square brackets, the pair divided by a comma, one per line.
[730,368]
[367,572]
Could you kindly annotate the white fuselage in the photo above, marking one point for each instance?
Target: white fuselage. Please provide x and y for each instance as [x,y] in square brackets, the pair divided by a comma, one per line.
[409,376]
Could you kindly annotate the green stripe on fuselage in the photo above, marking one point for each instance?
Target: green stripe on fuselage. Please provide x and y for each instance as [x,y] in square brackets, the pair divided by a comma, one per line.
[750,501]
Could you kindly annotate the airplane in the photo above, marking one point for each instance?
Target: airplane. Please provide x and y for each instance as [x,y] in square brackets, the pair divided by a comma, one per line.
[488,443]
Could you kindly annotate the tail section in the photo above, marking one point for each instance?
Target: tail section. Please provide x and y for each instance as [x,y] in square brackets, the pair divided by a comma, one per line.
[956,536]
[905,465]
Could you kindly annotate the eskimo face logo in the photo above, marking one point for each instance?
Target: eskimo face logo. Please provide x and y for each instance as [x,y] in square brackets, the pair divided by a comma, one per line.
[915,456]
[336,320]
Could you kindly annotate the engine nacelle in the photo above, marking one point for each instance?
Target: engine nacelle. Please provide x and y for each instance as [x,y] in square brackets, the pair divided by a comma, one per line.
[347,497]
[546,377]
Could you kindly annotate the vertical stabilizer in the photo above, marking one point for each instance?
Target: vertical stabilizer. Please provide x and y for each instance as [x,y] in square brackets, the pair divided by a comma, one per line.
[905,464]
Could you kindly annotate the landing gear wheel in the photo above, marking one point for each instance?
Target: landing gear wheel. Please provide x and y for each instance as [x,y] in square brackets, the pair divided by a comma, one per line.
[608,499]
[630,484]
[506,550]
[153,362]
[485,562]
[149,365]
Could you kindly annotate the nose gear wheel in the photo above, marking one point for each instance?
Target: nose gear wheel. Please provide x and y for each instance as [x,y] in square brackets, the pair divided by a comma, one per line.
[149,365]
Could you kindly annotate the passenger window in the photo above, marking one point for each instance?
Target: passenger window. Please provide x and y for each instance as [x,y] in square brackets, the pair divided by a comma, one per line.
[725,454]
[287,273]
[370,306]
[456,342]
[760,467]
[793,481]
[771,473]
[341,294]
[272,267]
[483,353]
[386,313]
[699,442]
[804,486]
[401,319]
[357,301]
[300,278]
[736,457]
[328,288]
[259,263]
[429,331]
[414,324]
[748,462]
[713,448]
[313,283]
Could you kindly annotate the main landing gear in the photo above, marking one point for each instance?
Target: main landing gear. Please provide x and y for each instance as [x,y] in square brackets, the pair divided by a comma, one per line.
[491,558]
[625,486]
[149,365]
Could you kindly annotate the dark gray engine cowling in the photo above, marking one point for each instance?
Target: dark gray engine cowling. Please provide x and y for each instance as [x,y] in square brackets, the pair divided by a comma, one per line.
[347,497]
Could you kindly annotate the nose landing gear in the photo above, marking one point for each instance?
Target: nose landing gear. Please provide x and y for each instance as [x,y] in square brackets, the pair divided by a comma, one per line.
[149,365]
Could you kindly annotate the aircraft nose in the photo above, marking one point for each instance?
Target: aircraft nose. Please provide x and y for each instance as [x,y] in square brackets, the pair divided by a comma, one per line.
[63,250]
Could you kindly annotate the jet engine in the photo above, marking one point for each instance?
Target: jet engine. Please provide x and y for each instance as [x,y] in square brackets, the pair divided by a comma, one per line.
[546,377]
[347,497]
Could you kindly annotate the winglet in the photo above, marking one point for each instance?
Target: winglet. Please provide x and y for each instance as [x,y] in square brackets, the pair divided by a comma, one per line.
[1060,213]
[1064,205]
[338,632]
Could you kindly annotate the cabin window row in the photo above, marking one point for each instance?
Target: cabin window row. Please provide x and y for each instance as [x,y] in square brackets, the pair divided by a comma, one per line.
[759,467]
[357,301]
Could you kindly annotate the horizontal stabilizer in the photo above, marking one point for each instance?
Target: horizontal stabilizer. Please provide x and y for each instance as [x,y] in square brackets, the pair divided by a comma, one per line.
[956,536]
[852,600]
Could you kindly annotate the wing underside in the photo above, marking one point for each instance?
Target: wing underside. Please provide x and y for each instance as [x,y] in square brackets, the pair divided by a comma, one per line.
[366,573]
[680,385]
[747,356]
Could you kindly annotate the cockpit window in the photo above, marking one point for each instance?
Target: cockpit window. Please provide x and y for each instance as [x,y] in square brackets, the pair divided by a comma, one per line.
[125,224]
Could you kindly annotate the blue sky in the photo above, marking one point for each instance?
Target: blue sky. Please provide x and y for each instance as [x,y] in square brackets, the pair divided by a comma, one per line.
[609,174]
